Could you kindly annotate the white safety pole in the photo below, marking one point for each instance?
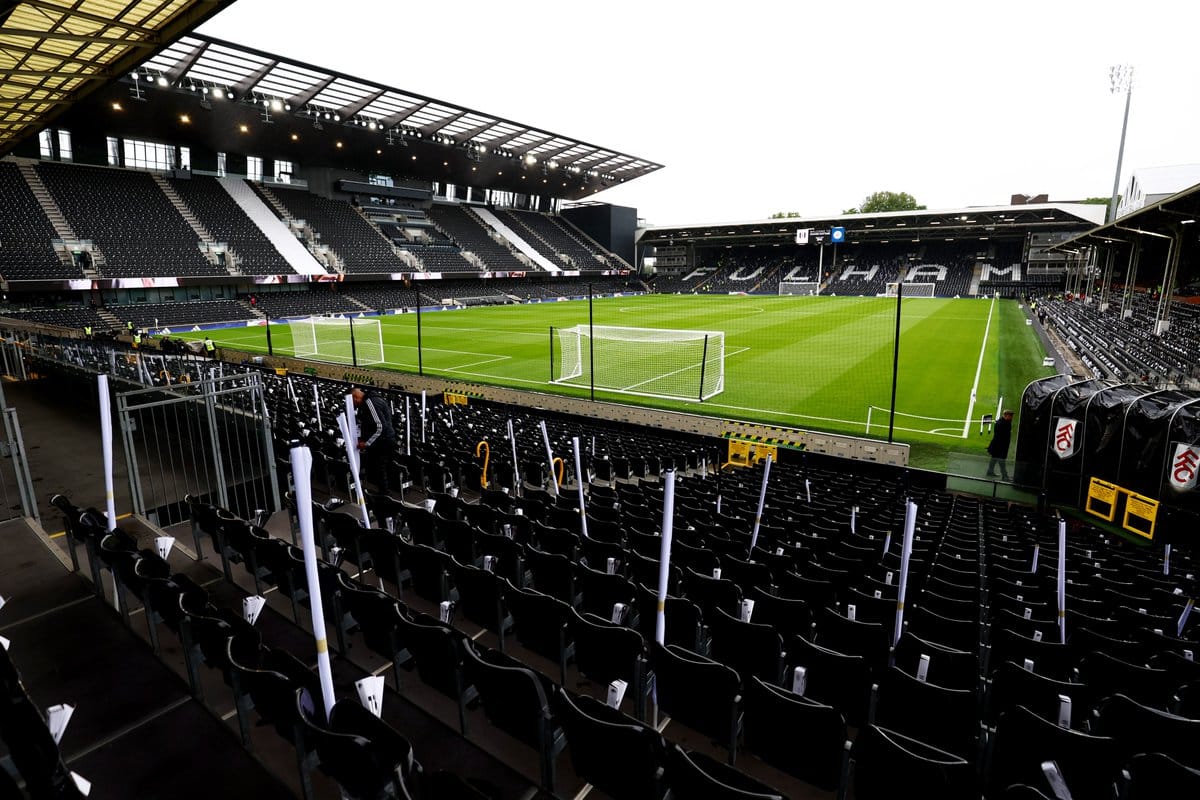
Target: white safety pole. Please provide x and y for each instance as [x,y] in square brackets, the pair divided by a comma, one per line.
[579,477]
[317,407]
[107,450]
[910,524]
[549,457]
[512,438]
[350,437]
[762,499]
[422,416]
[302,472]
[407,429]
[664,556]
[1062,581]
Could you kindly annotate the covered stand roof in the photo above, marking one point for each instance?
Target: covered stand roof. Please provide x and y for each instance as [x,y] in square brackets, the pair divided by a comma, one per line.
[989,221]
[238,99]
[53,53]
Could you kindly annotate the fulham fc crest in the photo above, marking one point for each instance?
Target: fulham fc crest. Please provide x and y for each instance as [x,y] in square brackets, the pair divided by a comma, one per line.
[1064,437]
[1185,463]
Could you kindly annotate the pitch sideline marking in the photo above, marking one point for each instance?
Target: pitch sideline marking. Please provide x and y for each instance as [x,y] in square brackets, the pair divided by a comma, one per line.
[966,431]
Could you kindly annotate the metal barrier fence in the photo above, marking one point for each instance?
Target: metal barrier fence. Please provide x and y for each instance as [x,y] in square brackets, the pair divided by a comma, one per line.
[210,439]
[16,484]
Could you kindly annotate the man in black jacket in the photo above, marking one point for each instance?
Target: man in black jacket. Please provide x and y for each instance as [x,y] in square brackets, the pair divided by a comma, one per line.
[376,436]
[998,448]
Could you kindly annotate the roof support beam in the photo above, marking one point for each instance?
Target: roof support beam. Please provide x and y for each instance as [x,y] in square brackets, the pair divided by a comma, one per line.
[299,101]
[175,73]
[68,12]
[400,116]
[151,40]
[247,84]
[349,110]
[434,127]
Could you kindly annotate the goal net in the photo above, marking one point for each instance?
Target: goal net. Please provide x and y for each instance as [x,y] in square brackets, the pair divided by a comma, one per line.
[912,289]
[799,287]
[329,339]
[653,362]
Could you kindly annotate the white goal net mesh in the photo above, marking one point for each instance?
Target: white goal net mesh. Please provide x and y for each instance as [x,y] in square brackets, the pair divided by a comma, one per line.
[654,362]
[329,339]
[799,287]
[912,289]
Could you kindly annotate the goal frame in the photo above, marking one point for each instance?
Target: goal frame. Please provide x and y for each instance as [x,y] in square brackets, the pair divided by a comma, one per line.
[362,342]
[928,290]
[801,288]
[572,363]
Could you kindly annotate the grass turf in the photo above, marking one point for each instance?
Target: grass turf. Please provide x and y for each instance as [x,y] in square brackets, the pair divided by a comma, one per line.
[812,362]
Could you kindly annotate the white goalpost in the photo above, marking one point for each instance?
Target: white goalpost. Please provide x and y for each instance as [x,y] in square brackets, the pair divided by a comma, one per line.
[344,340]
[912,289]
[652,362]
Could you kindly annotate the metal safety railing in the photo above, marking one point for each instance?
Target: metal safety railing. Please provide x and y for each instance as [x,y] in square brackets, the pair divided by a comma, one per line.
[210,439]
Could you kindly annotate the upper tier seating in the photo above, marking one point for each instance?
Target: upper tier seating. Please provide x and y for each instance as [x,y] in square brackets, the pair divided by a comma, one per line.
[129,218]
[470,234]
[226,221]
[26,252]
[339,226]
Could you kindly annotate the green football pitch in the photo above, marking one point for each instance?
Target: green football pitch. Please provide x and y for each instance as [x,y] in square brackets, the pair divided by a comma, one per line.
[811,362]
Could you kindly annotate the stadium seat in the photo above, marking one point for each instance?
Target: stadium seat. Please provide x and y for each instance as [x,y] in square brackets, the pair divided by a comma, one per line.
[616,754]
[797,735]
[699,693]
[884,763]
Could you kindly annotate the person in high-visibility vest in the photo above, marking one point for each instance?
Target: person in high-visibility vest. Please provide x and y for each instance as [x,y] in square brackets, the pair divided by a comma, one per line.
[137,339]
[87,331]
[129,325]
[209,348]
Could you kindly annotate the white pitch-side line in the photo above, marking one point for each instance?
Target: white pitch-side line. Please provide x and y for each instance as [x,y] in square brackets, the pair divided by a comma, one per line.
[978,370]
[485,361]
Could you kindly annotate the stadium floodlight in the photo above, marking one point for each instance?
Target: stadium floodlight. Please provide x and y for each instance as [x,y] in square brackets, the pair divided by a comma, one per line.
[650,362]
[331,339]
[1120,80]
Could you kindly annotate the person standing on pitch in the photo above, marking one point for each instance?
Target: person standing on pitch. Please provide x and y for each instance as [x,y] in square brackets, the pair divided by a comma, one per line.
[998,448]
[376,436]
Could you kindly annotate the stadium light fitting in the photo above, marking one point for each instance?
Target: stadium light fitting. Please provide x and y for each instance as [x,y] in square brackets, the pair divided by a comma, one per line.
[116,106]
[228,94]
[276,105]
[414,158]
[162,80]
[244,128]
[295,137]
[185,119]
[1186,221]
[338,145]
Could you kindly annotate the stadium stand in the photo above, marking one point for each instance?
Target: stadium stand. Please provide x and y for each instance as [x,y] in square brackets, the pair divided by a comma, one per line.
[469,233]
[359,246]
[26,252]
[307,303]
[129,219]
[222,216]
[978,619]
[72,317]
[174,315]
[1113,347]
[553,238]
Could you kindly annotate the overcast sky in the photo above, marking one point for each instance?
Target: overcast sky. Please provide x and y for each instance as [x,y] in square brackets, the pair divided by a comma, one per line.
[755,107]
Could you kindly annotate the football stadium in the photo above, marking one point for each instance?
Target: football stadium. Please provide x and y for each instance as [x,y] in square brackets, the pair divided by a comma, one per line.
[357,445]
